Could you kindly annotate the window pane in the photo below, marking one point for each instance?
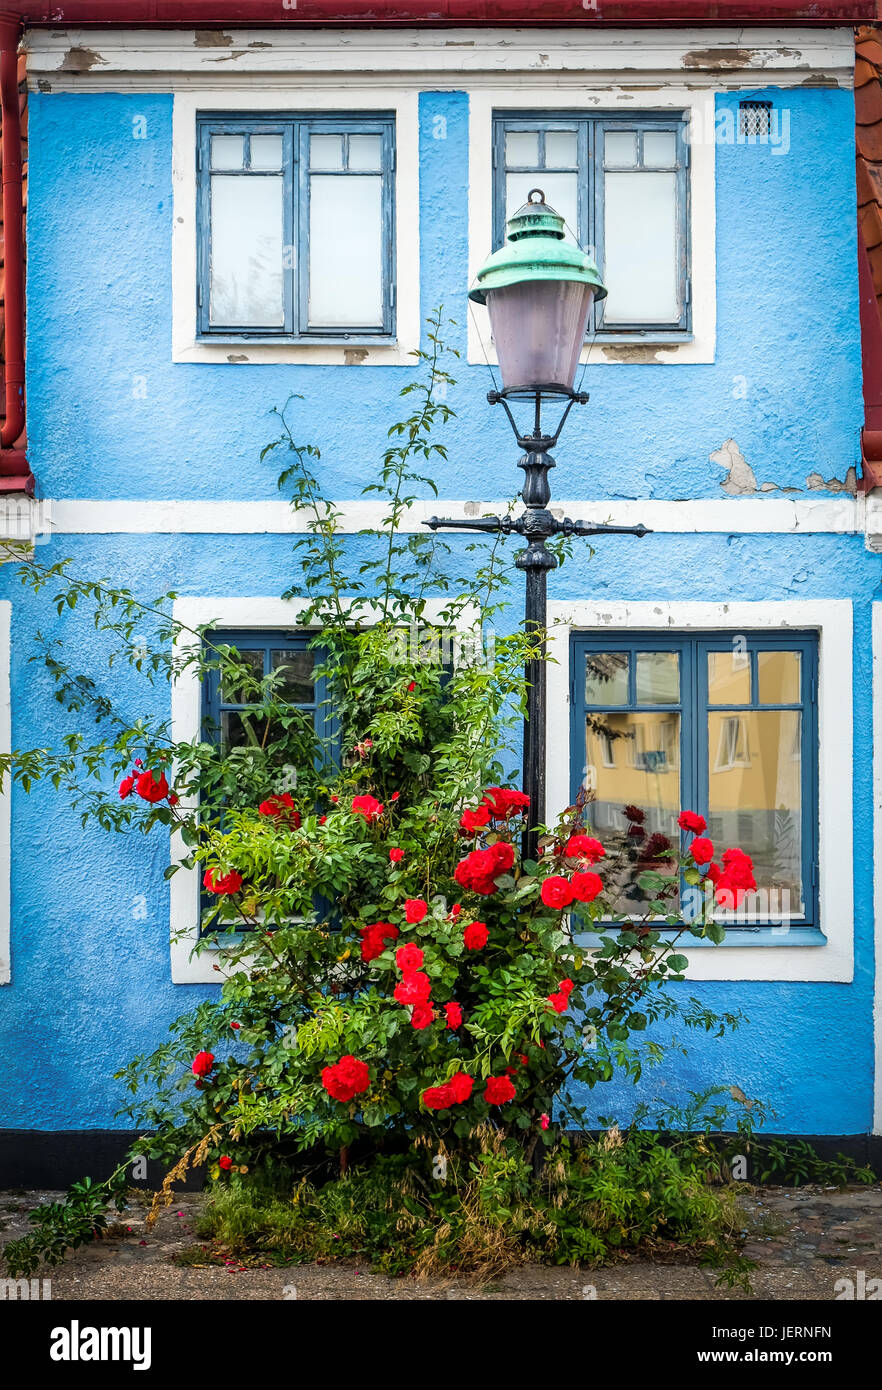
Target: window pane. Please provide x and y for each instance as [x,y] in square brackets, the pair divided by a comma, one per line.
[266,152]
[561,192]
[780,680]
[755,802]
[294,667]
[658,678]
[326,151]
[246,252]
[561,149]
[620,149]
[345,251]
[640,248]
[659,149]
[227,151]
[522,149]
[728,678]
[633,759]
[366,152]
[606,678]
[234,693]
[241,729]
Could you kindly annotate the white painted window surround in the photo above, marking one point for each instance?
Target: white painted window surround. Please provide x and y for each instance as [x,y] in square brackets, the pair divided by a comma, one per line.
[185,347]
[832,619]
[698,107]
[250,614]
[5,796]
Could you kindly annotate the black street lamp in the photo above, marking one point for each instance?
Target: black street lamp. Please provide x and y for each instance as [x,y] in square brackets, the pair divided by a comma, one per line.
[539,290]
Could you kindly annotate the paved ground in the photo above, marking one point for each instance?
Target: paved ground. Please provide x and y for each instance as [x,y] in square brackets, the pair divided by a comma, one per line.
[804,1240]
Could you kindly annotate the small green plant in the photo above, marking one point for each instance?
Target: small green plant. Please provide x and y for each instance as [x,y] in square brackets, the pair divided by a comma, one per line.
[793,1162]
[60,1227]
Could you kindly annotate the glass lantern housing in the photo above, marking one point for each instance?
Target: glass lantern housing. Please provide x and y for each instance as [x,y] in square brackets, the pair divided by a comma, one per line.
[539,289]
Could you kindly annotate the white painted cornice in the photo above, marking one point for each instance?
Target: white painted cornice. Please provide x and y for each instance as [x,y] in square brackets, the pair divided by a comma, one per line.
[166,60]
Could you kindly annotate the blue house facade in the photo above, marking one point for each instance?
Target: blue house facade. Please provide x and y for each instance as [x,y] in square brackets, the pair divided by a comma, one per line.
[221,220]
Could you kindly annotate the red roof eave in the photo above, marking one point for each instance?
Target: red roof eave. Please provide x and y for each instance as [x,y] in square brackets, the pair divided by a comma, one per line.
[382,13]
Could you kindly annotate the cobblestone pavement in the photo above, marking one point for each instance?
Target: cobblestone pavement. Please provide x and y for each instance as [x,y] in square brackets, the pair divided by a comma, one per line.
[804,1240]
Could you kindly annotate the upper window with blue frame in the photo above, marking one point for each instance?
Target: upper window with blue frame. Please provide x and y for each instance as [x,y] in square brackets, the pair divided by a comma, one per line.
[621,183]
[296,227]
[724,727]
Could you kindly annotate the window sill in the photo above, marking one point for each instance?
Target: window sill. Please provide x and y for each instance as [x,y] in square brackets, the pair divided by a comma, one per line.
[342,352]
[735,936]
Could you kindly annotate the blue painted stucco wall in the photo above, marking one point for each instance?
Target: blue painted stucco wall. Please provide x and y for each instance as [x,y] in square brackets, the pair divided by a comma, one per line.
[90,964]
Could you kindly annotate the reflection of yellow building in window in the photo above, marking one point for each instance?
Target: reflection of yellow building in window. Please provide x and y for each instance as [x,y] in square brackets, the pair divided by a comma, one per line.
[754,764]
[633,757]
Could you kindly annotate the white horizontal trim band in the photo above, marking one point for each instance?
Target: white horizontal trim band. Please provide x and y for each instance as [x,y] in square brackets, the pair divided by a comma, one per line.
[76,59]
[83,516]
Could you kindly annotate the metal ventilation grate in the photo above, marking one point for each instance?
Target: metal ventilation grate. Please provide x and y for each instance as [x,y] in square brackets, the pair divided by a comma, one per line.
[754,119]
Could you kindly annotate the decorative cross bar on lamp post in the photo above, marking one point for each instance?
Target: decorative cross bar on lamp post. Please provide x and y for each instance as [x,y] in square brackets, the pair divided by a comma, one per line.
[539,290]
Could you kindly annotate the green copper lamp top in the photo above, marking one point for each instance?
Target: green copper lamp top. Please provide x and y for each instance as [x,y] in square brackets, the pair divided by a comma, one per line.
[536,249]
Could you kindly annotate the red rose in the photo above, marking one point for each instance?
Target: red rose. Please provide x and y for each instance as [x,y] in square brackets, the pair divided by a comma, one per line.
[702,851]
[415,988]
[455,911]
[374,939]
[566,987]
[475,936]
[559,1002]
[335,799]
[367,806]
[584,847]
[346,1078]
[474,820]
[281,806]
[422,1015]
[690,820]
[202,1063]
[499,1090]
[225,1162]
[394,796]
[586,886]
[151,788]
[173,798]
[415,909]
[634,814]
[713,873]
[125,787]
[411,688]
[557,892]
[227,883]
[322,820]
[544,1121]
[736,877]
[408,958]
[396,856]
[504,802]
[460,1086]
[235,1025]
[453,1014]
[437,1097]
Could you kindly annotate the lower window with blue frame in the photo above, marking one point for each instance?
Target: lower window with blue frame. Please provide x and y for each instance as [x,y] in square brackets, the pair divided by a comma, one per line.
[270,753]
[719,724]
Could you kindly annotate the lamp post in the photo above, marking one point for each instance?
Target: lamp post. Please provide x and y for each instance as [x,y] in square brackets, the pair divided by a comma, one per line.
[539,290]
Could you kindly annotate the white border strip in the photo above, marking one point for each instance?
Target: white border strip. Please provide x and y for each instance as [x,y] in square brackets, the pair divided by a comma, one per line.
[833,620]
[842,515]
[5,797]
[877,863]
[120,59]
